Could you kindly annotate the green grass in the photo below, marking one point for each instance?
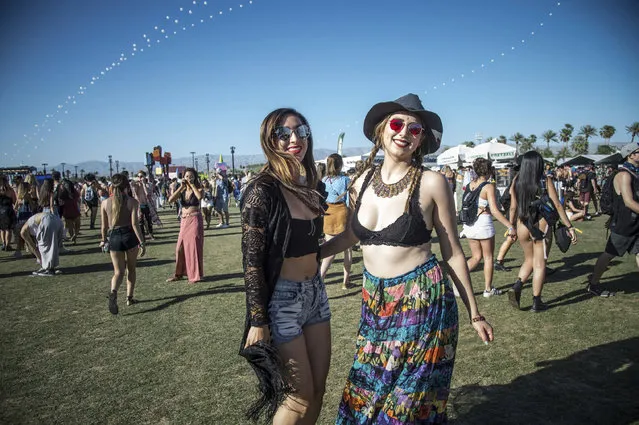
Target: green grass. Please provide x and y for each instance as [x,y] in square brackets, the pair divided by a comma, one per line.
[173,358]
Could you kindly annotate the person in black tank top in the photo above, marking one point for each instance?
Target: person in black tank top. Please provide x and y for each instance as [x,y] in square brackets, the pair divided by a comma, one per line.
[408,302]
[287,317]
[624,222]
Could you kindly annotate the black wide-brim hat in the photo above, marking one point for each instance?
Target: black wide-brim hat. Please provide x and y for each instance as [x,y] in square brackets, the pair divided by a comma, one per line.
[408,103]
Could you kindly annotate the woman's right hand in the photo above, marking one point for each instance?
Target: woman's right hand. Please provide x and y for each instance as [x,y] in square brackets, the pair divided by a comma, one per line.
[258,333]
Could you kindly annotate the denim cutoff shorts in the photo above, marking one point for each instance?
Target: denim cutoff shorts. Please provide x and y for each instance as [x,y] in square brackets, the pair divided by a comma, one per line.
[294,305]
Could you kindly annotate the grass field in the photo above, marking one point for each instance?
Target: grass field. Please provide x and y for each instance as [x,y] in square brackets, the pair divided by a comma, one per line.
[173,358]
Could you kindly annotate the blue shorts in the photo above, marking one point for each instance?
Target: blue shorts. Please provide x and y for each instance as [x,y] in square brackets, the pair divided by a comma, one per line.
[295,305]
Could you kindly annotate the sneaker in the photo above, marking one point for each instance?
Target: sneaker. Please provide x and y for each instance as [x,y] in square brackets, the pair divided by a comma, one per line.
[597,291]
[538,305]
[493,291]
[17,254]
[225,226]
[113,302]
[220,226]
[500,267]
[131,301]
[45,273]
[550,270]
[514,295]
[37,272]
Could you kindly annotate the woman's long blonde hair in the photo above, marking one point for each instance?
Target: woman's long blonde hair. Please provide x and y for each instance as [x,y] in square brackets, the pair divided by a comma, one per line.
[284,167]
[120,185]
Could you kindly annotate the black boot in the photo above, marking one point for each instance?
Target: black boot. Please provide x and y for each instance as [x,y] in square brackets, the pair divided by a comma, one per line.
[514,295]
[113,302]
[538,305]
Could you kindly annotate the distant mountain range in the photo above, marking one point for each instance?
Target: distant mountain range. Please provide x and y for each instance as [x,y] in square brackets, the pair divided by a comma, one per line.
[102,167]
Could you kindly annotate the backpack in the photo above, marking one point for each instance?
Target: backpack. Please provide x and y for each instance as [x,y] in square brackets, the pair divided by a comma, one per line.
[607,190]
[583,182]
[468,214]
[89,193]
[546,209]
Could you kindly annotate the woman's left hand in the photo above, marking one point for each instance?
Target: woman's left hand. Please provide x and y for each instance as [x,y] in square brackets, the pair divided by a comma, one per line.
[573,235]
[484,330]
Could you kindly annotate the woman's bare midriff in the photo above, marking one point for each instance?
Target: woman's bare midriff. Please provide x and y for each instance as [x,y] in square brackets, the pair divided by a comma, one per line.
[392,261]
[189,210]
[299,269]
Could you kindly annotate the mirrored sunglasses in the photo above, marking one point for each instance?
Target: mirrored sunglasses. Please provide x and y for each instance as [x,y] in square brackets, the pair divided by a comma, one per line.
[285,133]
[397,124]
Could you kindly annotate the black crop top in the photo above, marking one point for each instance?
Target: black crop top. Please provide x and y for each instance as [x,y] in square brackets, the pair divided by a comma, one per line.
[304,238]
[408,230]
[191,202]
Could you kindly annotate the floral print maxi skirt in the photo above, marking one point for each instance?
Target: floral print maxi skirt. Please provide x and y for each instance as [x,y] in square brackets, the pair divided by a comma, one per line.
[405,350]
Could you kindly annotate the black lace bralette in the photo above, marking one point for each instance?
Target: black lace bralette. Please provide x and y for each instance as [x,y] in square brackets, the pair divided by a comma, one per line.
[408,230]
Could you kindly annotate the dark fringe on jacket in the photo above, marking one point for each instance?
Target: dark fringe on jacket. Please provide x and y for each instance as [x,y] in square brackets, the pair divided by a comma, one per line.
[271,374]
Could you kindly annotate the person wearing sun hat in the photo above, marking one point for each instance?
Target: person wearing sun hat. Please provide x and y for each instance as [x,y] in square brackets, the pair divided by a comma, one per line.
[624,221]
[408,305]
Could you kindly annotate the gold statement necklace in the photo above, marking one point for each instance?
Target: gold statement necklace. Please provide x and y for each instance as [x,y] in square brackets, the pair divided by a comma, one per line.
[384,190]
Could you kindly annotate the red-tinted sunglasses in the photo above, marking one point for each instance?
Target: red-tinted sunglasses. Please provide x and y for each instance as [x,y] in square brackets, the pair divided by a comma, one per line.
[397,124]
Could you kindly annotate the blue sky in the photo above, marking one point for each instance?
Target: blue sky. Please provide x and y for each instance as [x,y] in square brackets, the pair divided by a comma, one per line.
[210,86]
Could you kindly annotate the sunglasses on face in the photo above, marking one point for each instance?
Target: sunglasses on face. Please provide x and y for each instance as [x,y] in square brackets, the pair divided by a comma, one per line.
[397,124]
[285,133]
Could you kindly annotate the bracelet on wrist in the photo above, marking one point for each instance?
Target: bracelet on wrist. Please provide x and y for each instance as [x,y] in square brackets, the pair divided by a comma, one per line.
[479,318]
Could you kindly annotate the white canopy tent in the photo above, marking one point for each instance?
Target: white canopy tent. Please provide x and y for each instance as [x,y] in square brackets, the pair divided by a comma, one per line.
[453,156]
[491,150]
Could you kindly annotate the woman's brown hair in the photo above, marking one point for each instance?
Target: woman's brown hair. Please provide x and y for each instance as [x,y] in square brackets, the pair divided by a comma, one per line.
[283,166]
[483,167]
[334,164]
[120,185]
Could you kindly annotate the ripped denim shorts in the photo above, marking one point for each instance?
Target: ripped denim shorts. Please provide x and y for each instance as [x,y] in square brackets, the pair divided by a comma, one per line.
[294,305]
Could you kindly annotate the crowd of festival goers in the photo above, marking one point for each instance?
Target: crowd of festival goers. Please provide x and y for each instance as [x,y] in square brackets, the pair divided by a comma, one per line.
[296,216]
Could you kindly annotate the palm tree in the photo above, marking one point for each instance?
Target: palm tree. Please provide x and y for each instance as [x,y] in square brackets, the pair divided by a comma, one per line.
[587,131]
[565,134]
[517,138]
[580,145]
[633,129]
[606,132]
[563,153]
[528,143]
[469,144]
[549,136]
[502,139]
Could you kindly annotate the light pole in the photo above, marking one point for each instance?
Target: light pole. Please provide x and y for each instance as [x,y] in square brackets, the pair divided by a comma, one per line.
[207,164]
[193,159]
[44,165]
[76,171]
[196,165]
[110,166]
[233,160]
[117,166]
[82,173]
[63,164]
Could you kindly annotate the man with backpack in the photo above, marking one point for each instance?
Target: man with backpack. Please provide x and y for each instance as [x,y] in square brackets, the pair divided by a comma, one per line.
[624,220]
[587,189]
[90,197]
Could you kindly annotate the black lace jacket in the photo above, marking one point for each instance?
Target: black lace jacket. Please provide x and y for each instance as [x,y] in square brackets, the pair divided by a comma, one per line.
[266,231]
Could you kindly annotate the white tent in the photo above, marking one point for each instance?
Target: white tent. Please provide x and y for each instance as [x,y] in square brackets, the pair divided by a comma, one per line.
[453,156]
[491,150]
